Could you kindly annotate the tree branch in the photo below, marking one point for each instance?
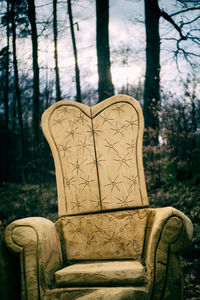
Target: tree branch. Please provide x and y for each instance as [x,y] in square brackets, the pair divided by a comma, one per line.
[171,21]
[184,10]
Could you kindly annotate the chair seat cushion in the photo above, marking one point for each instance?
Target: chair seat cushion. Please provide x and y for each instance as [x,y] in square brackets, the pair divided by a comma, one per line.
[110,273]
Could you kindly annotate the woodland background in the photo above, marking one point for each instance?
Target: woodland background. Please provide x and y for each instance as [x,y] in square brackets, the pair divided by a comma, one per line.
[31,81]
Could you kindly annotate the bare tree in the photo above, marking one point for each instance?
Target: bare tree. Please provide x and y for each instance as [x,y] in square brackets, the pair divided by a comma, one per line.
[16,84]
[55,31]
[105,86]
[153,13]
[77,71]
[6,106]
[36,90]
[152,75]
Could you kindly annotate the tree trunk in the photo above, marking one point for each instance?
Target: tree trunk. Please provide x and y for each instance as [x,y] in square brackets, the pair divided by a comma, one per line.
[17,89]
[36,90]
[58,92]
[105,86]
[152,76]
[6,106]
[77,72]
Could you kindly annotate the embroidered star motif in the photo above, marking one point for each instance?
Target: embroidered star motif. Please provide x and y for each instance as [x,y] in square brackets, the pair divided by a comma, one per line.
[131,123]
[110,146]
[119,108]
[131,146]
[93,131]
[95,162]
[84,146]
[123,160]
[124,201]
[109,238]
[59,121]
[106,119]
[131,216]
[63,109]
[77,166]
[133,181]
[86,183]
[118,130]
[114,183]
[72,132]
[69,182]
[99,203]
[78,204]
[65,148]
[81,118]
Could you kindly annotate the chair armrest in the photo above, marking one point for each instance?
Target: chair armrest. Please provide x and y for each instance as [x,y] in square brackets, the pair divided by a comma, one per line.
[36,241]
[172,227]
[169,232]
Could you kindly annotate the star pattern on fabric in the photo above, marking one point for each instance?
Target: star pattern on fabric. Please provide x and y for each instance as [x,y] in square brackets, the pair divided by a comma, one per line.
[86,182]
[114,231]
[131,123]
[72,132]
[99,202]
[108,239]
[63,110]
[77,166]
[119,108]
[106,119]
[93,131]
[123,160]
[123,201]
[131,216]
[78,204]
[132,180]
[65,148]
[118,130]
[114,183]
[80,118]
[131,146]
[69,181]
[110,145]
[84,145]
[96,161]
[58,121]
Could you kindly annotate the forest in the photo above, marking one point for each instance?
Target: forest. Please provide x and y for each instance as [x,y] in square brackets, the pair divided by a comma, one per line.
[87,51]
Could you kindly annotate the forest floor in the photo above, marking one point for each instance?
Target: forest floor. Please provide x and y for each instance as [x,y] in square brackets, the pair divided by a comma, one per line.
[19,201]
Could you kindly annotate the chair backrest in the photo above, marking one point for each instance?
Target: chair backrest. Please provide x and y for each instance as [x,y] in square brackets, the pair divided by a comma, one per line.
[98,155]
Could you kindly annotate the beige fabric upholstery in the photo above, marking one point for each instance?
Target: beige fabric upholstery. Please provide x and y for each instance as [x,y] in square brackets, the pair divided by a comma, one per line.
[98,154]
[106,237]
[38,244]
[113,235]
[102,274]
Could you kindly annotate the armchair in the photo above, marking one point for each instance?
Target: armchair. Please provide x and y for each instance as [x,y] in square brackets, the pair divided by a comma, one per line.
[107,243]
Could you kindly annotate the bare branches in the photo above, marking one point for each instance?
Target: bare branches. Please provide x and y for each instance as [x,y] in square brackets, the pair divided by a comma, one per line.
[187,29]
[171,21]
[184,11]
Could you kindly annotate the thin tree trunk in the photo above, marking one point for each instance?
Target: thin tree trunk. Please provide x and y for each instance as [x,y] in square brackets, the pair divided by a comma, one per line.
[4,174]
[105,86]
[77,72]
[6,106]
[152,76]
[17,89]
[58,92]
[36,90]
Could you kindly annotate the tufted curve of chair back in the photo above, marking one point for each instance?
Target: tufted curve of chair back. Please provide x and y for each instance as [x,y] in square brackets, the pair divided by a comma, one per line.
[100,178]
[98,155]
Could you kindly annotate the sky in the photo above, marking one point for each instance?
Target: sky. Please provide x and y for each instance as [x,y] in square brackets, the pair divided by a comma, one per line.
[126,31]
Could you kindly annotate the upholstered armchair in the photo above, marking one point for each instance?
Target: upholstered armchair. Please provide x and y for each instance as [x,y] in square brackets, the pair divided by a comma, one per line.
[106,243]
